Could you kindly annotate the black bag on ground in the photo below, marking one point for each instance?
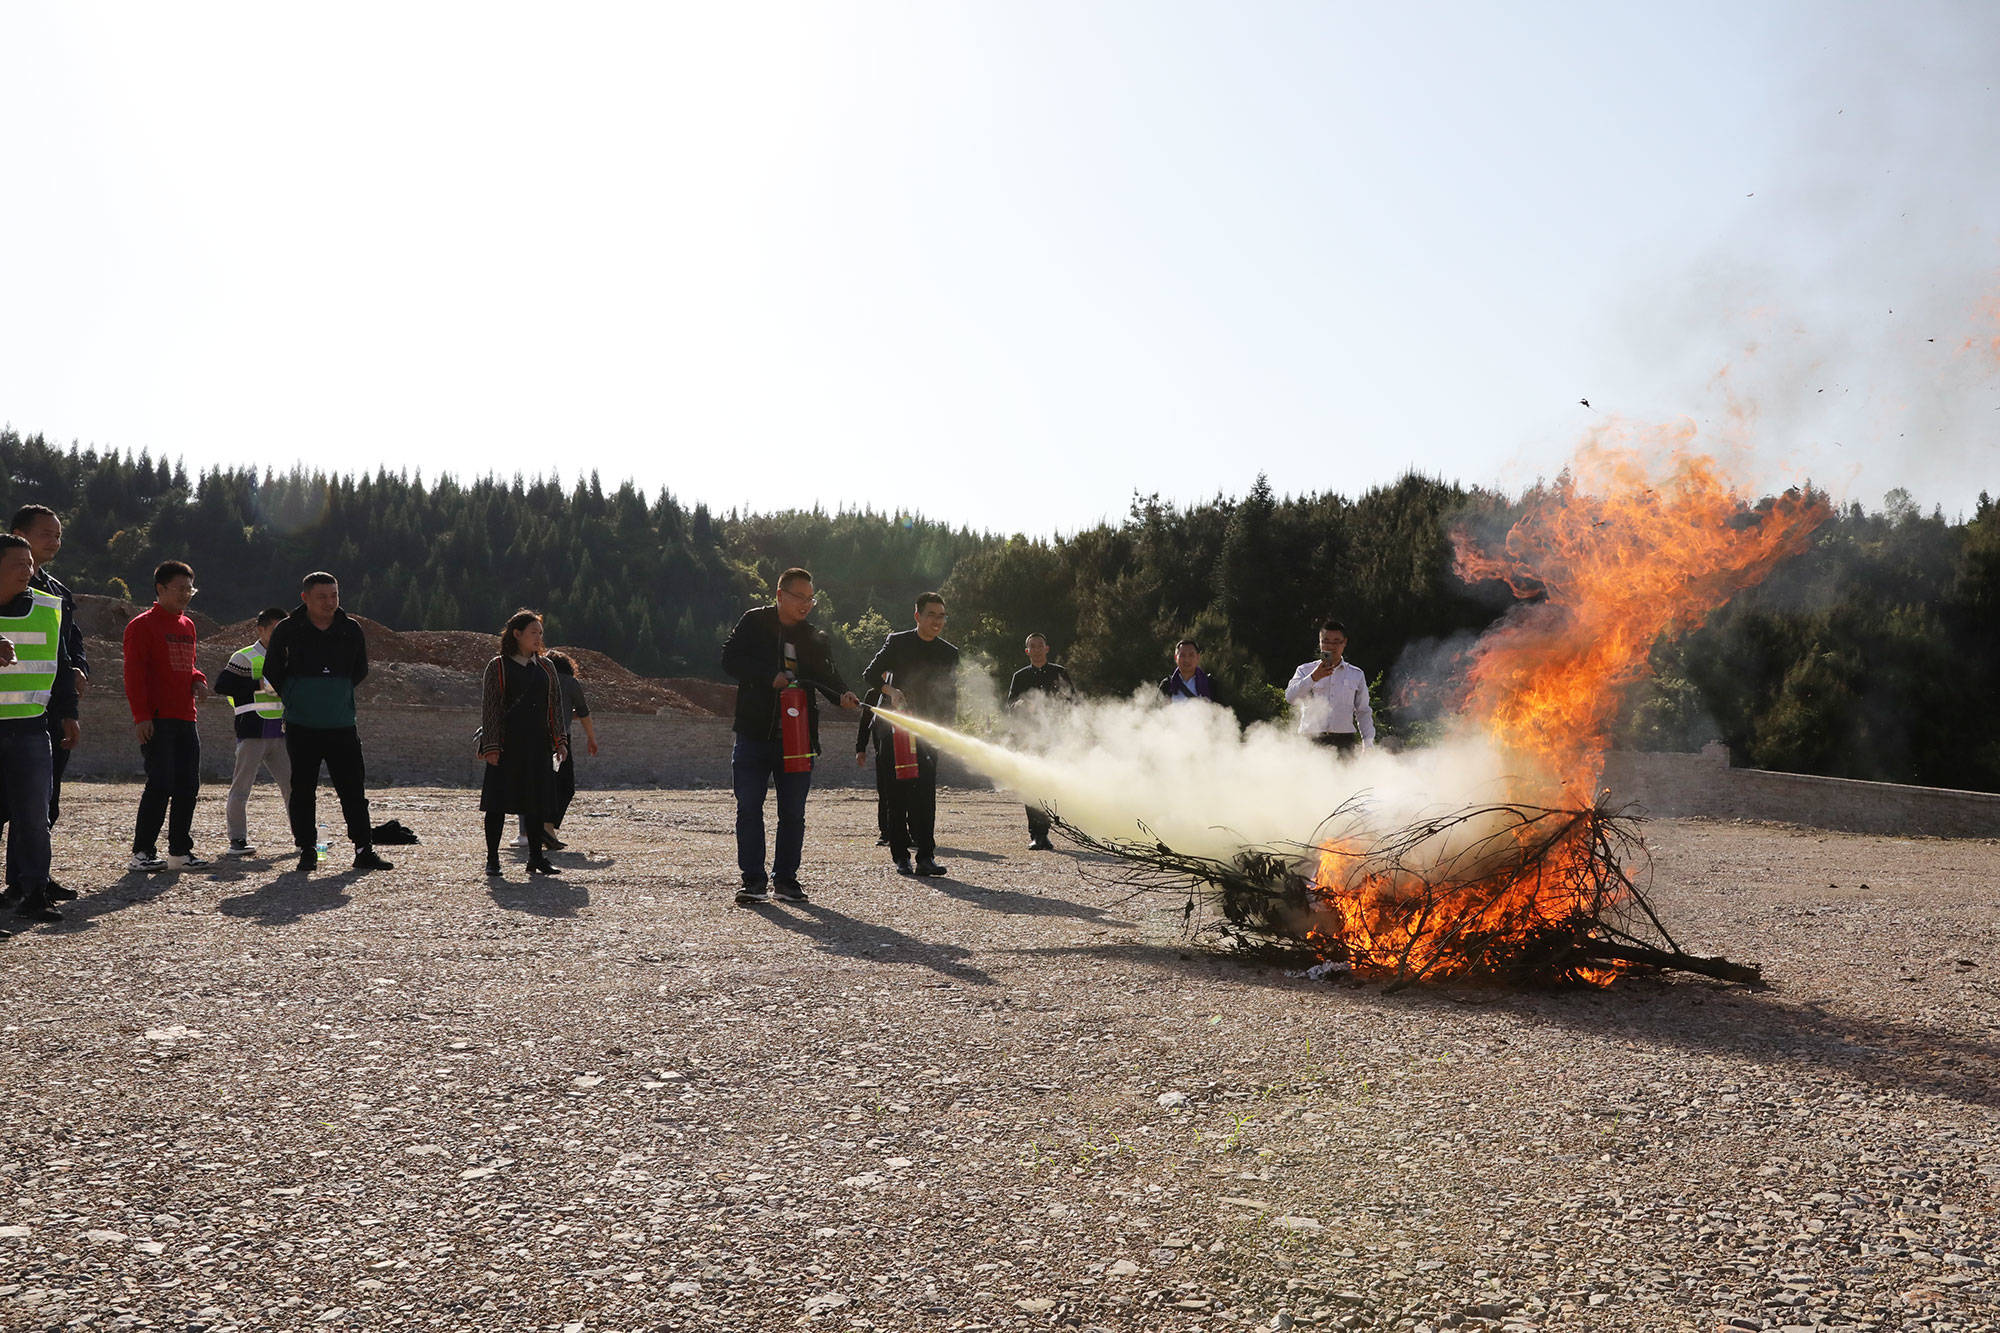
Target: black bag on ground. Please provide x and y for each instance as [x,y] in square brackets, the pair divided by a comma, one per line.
[393,833]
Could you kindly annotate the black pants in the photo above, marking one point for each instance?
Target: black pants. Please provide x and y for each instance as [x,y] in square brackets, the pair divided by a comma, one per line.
[913,808]
[58,761]
[59,758]
[173,776]
[1343,741]
[24,779]
[885,778]
[339,748]
[1038,823]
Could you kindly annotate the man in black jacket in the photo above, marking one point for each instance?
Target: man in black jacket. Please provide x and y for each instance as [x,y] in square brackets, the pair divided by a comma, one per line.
[316,657]
[916,670]
[1036,685]
[39,526]
[771,649]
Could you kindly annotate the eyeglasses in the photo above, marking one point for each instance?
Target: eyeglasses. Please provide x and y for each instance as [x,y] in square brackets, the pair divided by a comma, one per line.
[809,601]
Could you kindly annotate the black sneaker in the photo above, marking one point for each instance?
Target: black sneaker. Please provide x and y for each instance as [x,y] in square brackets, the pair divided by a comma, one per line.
[926,866]
[540,866]
[752,895]
[492,867]
[57,893]
[308,858]
[366,859]
[1041,845]
[37,909]
[882,840]
[903,867]
[791,892]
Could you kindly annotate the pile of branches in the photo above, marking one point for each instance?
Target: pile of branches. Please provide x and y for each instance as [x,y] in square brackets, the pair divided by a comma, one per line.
[1507,894]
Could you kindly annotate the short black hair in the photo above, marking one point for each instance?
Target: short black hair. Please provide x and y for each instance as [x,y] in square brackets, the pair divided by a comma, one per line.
[271,615]
[25,516]
[791,576]
[314,579]
[564,664]
[12,539]
[924,599]
[1037,634]
[1332,624]
[169,570]
[1188,643]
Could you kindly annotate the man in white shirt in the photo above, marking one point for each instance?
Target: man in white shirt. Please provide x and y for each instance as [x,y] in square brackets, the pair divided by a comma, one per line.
[1330,695]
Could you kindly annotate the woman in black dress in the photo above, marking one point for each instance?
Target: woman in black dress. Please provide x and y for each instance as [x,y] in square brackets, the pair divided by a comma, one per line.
[523,720]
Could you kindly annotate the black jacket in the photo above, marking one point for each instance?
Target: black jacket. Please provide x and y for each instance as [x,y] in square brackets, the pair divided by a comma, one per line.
[927,673]
[315,670]
[754,654]
[72,639]
[872,728]
[1050,678]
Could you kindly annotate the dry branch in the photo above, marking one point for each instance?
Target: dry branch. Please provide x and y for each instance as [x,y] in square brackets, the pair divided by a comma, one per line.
[1513,894]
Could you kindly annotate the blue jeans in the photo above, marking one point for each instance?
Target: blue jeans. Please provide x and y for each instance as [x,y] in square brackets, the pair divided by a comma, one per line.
[26,771]
[755,765]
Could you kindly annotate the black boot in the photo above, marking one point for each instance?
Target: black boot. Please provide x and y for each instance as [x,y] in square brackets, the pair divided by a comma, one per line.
[35,907]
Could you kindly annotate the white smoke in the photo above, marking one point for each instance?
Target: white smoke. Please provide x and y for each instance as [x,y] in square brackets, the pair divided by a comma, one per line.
[1185,773]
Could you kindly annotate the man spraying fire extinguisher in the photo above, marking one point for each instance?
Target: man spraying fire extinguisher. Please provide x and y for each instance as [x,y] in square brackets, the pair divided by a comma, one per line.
[916,671]
[781,665]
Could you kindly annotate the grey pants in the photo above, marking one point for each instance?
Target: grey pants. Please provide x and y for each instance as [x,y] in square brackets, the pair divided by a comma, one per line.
[249,755]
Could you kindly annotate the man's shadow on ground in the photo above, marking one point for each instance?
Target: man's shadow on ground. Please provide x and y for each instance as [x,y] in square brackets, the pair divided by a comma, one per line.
[1016,903]
[128,890]
[844,936]
[540,895]
[291,897]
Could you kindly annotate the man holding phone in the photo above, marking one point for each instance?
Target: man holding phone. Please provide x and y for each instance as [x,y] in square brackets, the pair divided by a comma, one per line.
[1330,695]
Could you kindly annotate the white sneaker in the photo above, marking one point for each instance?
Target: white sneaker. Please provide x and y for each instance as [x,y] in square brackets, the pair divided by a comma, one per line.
[188,862]
[240,849]
[520,840]
[145,861]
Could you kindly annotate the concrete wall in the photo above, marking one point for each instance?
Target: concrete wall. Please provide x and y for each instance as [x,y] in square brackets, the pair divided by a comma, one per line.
[1675,785]
[421,745]
[418,745]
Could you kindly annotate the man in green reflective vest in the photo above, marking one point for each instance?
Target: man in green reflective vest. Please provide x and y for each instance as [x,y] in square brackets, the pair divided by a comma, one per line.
[36,675]
[260,730]
[39,526]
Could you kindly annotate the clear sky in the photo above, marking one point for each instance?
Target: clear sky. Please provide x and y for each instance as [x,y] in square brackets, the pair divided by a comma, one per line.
[1005,263]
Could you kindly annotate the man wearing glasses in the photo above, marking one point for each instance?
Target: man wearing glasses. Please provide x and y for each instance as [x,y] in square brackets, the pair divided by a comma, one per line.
[160,684]
[917,671]
[771,649]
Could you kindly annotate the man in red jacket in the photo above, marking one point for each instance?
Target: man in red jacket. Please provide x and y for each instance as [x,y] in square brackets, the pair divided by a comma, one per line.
[160,683]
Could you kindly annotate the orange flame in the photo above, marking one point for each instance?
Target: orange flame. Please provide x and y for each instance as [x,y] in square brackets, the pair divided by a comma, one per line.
[1608,558]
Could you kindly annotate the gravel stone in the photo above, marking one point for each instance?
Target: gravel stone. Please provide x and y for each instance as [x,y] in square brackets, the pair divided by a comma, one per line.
[1011,1097]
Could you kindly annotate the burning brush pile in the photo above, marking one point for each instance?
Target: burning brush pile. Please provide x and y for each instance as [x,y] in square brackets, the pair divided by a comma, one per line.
[1545,885]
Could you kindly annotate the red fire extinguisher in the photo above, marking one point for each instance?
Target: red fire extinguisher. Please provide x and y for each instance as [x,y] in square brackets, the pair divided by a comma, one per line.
[905,744]
[795,729]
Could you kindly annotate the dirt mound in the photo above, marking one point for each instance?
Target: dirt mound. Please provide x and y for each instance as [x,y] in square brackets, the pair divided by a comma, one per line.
[715,697]
[406,667]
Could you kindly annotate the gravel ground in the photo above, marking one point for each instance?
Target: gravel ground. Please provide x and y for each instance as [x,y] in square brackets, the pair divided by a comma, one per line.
[1006,1099]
